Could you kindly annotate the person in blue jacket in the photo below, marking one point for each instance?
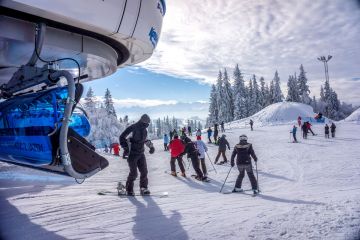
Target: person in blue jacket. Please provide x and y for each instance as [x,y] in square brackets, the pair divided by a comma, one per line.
[166,142]
[294,133]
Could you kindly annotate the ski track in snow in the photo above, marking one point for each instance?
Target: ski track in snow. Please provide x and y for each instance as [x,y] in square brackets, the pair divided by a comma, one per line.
[310,190]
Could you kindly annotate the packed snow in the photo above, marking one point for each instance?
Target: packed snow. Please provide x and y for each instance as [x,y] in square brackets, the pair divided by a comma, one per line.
[354,117]
[309,190]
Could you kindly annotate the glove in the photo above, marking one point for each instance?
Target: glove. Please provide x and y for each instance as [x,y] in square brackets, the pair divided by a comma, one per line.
[232,164]
[229,148]
[152,150]
[126,153]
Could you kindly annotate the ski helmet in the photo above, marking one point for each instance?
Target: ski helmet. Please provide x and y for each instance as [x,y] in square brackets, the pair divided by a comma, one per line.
[243,137]
[145,119]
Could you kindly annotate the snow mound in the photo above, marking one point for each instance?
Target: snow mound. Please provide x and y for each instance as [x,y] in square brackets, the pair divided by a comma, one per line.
[279,113]
[354,117]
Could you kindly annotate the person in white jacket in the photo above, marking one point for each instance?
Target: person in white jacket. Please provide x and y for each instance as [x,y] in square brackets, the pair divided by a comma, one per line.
[201,147]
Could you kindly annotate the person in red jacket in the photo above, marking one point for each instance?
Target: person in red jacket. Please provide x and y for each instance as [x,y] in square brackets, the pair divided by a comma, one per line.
[176,150]
[308,125]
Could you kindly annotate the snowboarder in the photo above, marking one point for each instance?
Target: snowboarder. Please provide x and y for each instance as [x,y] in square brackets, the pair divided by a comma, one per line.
[242,151]
[209,132]
[294,133]
[134,149]
[166,142]
[193,154]
[308,125]
[216,133]
[304,130]
[176,149]
[333,127]
[222,126]
[299,121]
[327,131]
[222,149]
[198,132]
[201,147]
[189,131]
[251,124]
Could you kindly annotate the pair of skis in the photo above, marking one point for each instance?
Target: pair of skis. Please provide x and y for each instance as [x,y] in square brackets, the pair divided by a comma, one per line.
[121,192]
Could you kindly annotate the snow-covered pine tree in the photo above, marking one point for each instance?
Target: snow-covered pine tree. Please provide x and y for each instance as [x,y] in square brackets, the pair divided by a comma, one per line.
[109,104]
[277,94]
[293,94]
[239,95]
[219,98]
[227,103]
[271,92]
[249,99]
[213,107]
[257,101]
[90,100]
[262,98]
[303,88]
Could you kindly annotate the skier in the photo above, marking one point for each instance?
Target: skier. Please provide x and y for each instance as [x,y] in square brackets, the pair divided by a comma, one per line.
[333,127]
[166,142]
[171,135]
[116,147]
[222,149]
[216,133]
[304,130]
[201,147]
[106,150]
[251,124]
[243,151]
[308,125]
[189,131]
[198,132]
[222,126]
[134,149]
[193,154]
[294,133]
[176,149]
[299,121]
[209,132]
[327,131]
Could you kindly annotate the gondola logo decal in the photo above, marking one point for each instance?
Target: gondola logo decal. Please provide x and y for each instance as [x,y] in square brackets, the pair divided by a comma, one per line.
[162,7]
[154,37]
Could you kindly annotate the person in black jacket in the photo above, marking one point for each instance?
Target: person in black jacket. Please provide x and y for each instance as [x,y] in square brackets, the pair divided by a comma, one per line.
[134,152]
[326,131]
[304,130]
[243,152]
[216,133]
[222,149]
[193,154]
[333,127]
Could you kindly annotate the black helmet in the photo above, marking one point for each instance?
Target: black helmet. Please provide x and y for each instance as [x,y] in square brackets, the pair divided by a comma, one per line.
[145,119]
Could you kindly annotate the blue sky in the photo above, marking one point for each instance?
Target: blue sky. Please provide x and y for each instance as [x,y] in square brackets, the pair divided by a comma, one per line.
[199,38]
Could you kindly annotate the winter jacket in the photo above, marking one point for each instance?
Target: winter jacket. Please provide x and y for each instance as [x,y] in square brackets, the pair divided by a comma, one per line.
[176,147]
[223,143]
[333,127]
[308,125]
[243,151]
[198,133]
[166,139]
[201,147]
[137,139]
[294,130]
[190,149]
[326,129]
[216,130]
[209,131]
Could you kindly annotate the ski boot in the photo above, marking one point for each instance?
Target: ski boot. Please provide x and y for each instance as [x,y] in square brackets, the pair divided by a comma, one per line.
[173,174]
[144,191]
[255,191]
[237,190]
[183,174]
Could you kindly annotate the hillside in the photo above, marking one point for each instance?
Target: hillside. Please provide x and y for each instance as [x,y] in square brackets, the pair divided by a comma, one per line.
[354,117]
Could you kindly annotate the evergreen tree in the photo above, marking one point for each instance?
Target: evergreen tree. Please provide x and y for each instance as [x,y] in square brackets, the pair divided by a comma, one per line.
[109,104]
[90,100]
[293,94]
[303,88]
[227,103]
[219,98]
[249,99]
[263,93]
[277,94]
[256,101]
[239,95]
[213,107]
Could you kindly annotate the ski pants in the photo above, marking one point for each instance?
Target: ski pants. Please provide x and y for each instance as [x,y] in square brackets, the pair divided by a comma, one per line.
[196,165]
[166,148]
[209,137]
[218,156]
[332,134]
[294,136]
[327,135]
[250,173]
[180,162]
[311,131]
[137,161]
[251,126]
[203,165]
[305,134]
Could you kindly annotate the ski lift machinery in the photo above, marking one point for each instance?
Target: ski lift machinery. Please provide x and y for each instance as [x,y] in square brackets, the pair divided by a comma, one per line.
[47,49]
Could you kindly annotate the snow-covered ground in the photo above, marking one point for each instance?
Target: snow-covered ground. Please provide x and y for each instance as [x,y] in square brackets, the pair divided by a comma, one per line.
[354,117]
[310,190]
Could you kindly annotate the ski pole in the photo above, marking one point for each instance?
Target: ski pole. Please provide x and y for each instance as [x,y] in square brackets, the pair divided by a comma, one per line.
[211,163]
[225,180]
[257,177]
[188,164]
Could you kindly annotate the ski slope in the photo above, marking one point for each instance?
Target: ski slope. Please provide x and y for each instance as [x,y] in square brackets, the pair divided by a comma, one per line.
[354,117]
[310,190]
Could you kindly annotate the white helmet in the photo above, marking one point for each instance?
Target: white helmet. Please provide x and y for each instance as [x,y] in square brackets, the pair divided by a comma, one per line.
[243,137]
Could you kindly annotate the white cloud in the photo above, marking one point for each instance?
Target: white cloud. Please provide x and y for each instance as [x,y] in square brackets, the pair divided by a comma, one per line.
[200,37]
